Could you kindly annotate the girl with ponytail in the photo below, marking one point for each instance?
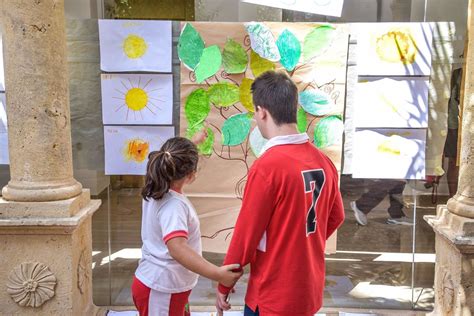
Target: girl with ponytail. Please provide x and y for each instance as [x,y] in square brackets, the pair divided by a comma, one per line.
[171,252]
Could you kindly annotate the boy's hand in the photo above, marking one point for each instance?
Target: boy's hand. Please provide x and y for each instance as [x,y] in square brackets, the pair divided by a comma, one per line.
[200,136]
[226,275]
[221,303]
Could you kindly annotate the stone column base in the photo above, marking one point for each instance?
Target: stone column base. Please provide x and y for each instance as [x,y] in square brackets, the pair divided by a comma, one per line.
[45,262]
[454,275]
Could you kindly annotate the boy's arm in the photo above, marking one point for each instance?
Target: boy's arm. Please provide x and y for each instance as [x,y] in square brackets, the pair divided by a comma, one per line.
[257,209]
[336,214]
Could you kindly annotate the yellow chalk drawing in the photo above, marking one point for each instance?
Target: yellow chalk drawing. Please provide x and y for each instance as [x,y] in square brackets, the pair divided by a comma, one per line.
[135,97]
[136,150]
[397,46]
[134,46]
[389,146]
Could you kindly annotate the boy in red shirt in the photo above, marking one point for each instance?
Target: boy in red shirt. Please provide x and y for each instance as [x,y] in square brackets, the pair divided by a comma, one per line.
[291,206]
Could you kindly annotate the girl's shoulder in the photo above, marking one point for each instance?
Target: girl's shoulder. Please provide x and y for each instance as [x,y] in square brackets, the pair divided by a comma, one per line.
[170,202]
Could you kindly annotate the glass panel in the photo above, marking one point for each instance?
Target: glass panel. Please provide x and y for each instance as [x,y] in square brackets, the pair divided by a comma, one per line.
[100,251]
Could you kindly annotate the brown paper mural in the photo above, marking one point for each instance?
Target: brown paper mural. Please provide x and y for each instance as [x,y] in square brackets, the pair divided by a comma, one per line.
[219,62]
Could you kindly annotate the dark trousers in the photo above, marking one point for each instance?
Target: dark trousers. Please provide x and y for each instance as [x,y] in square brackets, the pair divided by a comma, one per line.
[378,190]
[250,312]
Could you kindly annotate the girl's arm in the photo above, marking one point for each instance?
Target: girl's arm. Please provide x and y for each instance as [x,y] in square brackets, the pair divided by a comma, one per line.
[186,256]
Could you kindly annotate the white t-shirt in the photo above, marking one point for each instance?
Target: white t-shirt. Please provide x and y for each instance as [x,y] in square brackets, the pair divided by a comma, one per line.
[163,219]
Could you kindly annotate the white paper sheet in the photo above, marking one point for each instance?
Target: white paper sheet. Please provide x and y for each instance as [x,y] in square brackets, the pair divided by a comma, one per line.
[379,48]
[132,99]
[392,103]
[127,147]
[321,7]
[135,45]
[389,154]
[3,132]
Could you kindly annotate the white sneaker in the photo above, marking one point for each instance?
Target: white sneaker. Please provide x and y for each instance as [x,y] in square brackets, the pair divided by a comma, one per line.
[360,217]
[400,221]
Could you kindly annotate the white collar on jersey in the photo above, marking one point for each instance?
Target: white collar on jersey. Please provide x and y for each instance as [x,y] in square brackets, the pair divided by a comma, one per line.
[285,140]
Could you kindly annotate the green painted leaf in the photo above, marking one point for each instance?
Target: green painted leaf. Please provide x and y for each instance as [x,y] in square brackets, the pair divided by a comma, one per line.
[234,57]
[317,40]
[257,142]
[315,102]
[302,120]
[190,46]
[206,147]
[259,65]
[209,64]
[328,131]
[223,94]
[290,49]
[197,107]
[246,94]
[236,129]
[262,41]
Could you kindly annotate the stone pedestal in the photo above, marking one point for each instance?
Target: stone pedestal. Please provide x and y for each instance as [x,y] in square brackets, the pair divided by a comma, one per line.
[45,262]
[454,274]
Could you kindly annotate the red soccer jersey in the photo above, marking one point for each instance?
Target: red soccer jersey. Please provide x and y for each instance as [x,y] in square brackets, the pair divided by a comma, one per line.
[291,206]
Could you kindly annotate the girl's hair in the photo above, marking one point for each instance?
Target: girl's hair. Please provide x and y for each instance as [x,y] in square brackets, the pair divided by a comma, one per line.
[177,158]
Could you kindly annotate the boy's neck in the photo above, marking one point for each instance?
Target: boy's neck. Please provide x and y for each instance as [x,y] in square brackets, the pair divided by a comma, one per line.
[282,130]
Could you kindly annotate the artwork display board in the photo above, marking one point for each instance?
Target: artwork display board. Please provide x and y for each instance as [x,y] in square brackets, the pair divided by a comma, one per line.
[135,45]
[127,147]
[389,153]
[137,99]
[219,63]
[394,49]
[392,103]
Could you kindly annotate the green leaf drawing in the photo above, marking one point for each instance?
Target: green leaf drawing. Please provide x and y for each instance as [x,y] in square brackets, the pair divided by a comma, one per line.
[317,40]
[262,41]
[197,107]
[246,94]
[223,94]
[234,57]
[302,120]
[259,65]
[235,129]
[315,102]
[190,46]
[257,142]
[206,147]
[328,131]
[290,49]
[209,64]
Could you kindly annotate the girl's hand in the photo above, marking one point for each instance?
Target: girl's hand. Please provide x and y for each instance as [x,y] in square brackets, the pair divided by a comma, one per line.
[200,136]
[227,277]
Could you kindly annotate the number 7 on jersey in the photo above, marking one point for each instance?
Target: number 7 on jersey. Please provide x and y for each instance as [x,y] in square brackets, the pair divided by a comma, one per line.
[313,182]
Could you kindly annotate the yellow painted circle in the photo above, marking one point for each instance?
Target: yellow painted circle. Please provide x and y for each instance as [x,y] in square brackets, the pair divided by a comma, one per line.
[397,46]
[136,99]
[134,46]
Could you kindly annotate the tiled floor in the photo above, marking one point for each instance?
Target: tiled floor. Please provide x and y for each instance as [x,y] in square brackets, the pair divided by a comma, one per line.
[371,269]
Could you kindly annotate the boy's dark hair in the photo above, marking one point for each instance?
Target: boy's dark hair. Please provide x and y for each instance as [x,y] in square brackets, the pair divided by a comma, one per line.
[177,158]
[278,94]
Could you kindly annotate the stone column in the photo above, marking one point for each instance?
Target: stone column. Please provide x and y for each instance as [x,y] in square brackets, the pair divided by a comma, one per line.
[45,215]
[39,126]
[454,223]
